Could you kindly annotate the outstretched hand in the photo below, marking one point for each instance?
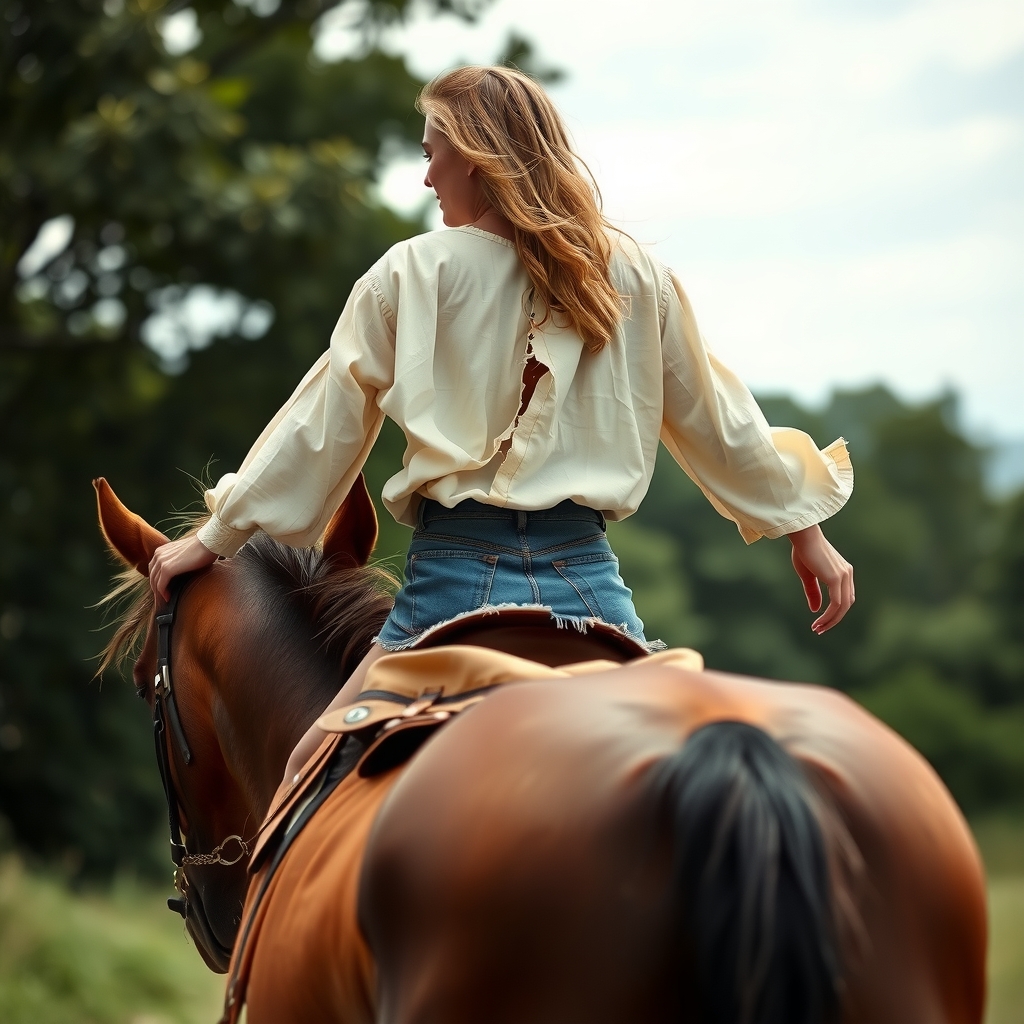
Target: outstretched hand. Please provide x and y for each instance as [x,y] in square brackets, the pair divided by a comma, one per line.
[817,562]
[174,558]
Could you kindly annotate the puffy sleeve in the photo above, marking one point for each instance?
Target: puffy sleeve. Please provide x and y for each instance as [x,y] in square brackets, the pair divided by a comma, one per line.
[769,481]
[301,467]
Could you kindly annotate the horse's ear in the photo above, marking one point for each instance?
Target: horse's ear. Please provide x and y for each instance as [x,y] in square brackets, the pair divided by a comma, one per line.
[352,532]
[129,536]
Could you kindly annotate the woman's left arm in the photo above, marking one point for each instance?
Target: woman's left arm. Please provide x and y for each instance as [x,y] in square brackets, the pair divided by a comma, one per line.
[771,482]
[817,562]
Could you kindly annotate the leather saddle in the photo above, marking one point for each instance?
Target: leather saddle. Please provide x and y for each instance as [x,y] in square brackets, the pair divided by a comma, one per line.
[399,710]
[537,635]
[406,698]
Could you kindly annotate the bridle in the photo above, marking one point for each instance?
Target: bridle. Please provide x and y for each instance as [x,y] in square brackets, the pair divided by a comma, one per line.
[165,708]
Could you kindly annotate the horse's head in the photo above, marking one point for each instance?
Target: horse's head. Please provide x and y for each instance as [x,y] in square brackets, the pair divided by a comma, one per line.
[249,652]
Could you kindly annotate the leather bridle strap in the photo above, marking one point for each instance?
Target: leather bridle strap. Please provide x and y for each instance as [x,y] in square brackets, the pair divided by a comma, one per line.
[163,695]
[170,795]
[163,698]
[162,683]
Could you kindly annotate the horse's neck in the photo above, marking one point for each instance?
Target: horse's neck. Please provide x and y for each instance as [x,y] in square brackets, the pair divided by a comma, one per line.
[267,712]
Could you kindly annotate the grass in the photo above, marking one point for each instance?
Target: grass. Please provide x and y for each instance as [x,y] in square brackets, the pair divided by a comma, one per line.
[113,958]
[119,957]
[1001,839]
[1006,952]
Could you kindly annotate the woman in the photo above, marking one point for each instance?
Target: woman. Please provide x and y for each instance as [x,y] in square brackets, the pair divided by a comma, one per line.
[533,357]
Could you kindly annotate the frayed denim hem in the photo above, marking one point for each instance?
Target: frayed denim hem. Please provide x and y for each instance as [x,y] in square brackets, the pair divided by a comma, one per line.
[580,623]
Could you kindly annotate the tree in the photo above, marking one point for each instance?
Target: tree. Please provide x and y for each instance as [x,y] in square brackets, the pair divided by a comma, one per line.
[933,643]
[151,201]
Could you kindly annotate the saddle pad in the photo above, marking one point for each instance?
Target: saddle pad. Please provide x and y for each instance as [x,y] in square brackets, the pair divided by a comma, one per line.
[408,696]
[416,691]
[439,673]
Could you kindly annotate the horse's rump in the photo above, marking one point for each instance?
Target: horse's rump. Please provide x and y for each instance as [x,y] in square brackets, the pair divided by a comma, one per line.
[523,864]
[536,822]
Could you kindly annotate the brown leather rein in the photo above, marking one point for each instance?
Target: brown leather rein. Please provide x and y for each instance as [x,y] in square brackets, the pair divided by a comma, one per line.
[185,903]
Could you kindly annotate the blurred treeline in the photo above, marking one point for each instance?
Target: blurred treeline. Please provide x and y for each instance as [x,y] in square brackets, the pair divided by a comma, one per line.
[934,644]
[215,207]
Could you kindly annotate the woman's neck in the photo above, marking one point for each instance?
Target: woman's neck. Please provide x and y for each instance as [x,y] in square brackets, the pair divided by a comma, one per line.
[493,222]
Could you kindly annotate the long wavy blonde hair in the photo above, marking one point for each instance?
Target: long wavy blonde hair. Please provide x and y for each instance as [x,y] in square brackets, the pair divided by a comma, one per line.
[503,123]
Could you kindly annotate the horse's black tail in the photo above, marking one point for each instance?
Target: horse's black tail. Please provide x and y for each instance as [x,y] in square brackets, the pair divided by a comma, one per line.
[752,881]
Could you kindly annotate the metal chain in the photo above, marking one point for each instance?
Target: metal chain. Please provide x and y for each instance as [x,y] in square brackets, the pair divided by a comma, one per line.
[215,856]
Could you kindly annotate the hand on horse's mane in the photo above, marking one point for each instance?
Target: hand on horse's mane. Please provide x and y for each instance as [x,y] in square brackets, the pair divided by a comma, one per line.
[174,558]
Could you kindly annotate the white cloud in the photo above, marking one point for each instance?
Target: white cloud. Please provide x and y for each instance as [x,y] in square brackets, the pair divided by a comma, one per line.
[401,185]
[837,217]
[908,316]
[743,167]
[341,33]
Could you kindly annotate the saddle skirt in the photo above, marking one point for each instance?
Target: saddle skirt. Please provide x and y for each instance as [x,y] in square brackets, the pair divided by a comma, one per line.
[406,697]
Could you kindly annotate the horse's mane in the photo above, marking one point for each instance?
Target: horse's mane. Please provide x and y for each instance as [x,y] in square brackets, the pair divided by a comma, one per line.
[345,606]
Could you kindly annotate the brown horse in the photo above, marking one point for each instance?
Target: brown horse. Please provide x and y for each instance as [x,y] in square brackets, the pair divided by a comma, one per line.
[645,843]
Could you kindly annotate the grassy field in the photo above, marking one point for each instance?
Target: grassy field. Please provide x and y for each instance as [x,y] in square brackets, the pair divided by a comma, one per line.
[1002,845]
[119,957]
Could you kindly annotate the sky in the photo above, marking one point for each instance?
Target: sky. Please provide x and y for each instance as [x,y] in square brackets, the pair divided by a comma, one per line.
[839,185]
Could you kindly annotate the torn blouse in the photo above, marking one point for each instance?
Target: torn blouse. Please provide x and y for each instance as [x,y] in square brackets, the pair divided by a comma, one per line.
[436,336]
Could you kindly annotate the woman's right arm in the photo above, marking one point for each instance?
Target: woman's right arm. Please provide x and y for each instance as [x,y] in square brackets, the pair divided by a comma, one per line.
[174,558]
[306,459]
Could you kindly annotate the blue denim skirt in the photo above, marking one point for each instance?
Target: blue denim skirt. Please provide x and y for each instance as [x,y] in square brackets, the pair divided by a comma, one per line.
[474,555]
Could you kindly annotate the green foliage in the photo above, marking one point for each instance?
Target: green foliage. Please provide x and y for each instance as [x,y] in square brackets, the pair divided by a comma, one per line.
[977,750]
[935,643]
[110,959]
[1000,837]
[246,167]
[518,52]
[242,174]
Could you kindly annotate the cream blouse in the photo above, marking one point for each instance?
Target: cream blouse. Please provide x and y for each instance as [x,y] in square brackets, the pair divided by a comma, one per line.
[435,336]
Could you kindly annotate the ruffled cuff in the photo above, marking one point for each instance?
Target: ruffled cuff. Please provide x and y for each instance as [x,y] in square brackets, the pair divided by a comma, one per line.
[841,472]
[222,539]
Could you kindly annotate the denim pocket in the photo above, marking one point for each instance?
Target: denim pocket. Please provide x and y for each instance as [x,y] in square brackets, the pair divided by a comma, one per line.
[441,584]
[591,576]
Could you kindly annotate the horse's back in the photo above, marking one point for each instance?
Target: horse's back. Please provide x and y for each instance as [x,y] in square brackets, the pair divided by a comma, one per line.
[520,872]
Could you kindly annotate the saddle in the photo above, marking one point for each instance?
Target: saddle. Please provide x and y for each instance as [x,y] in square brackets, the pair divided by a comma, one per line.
[406,698]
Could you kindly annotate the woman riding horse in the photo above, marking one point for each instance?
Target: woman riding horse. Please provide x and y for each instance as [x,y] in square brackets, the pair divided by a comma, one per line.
[647,843]
[533,356]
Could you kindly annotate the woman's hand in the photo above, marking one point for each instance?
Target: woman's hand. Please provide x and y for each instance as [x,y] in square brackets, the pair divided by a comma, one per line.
[174,558]
[817,562]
